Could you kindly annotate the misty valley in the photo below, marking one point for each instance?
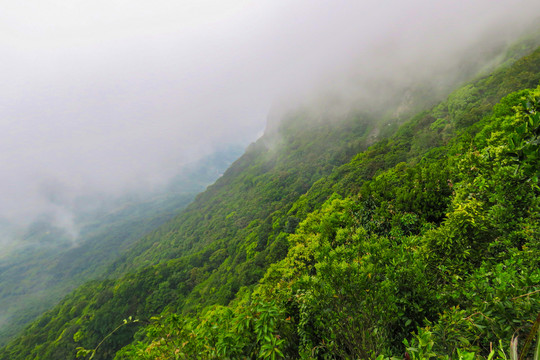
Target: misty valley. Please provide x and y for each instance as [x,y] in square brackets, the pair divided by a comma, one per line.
[389,211]
[52,258]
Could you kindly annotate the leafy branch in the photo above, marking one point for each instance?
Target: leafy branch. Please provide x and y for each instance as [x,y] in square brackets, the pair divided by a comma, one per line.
[82,352]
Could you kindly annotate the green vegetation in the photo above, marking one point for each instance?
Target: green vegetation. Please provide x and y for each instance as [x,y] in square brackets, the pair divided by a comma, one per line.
[362,273]
[316,245]
[50,263]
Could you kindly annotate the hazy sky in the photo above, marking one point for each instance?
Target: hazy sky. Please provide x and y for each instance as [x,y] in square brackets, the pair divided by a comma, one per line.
[107,96]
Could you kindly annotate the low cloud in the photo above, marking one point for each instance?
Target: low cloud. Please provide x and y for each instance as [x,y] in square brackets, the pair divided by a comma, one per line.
[107,97]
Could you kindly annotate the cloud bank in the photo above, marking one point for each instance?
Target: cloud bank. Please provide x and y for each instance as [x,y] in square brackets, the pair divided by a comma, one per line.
[112,96]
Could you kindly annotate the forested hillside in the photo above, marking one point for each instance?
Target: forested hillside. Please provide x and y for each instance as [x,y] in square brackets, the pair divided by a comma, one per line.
[331,241]
[444,243]
[49,262]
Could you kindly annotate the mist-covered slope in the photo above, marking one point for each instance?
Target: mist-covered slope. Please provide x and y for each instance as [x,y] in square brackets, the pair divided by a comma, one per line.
[432,247]
[48,261]
[271,206]
[429,259]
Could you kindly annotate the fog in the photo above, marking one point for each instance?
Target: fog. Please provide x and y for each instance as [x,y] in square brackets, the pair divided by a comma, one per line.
[107,97]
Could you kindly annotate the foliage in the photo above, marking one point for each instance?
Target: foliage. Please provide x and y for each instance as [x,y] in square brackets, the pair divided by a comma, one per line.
[221,332]
[352,289]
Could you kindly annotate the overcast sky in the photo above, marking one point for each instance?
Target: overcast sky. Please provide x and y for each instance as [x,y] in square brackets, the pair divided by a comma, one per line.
[104,96]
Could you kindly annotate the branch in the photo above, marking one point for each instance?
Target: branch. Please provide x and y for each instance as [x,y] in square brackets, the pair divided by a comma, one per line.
[520,296]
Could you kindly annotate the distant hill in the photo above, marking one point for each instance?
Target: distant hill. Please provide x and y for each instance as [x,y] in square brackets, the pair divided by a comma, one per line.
[48,263]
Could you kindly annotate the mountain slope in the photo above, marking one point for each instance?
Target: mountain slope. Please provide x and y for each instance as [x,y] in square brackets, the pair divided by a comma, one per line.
[224,242]
[363,273]
[447,239]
